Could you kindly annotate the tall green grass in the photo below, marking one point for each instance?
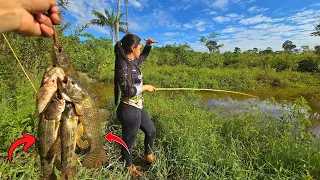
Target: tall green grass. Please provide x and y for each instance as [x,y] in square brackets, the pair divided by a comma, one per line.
[225,78]
[194,143]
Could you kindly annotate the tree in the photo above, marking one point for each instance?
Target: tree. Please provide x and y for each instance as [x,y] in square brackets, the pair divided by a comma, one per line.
[317,29]
[212,44]
[117,22]
[237,50]
[108,20]
[288,46]
[296,51]
[127,2]
[255,50]
[305,48]
[317,48]
[268,50]
[64,4]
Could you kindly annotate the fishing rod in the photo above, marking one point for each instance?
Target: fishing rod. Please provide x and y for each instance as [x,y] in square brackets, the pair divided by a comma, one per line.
[212,90]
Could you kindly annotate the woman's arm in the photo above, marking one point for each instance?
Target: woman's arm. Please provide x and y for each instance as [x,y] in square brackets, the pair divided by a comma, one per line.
[146,50]
[144,54]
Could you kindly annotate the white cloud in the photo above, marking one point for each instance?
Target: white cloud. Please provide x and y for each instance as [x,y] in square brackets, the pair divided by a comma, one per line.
[258,19]
[227,18]
[170,34]
[306,16]
[135,3]
[316,4]
[177,8]
[221,19]
[188,26]
[220,4]
[135,26]
[233,15]
[81,11]
[262,26]
[254,9]
[200,26]
[212,13]
[229,30]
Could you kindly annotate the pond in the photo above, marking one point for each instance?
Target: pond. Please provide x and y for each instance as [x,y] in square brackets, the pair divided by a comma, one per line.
[283,99]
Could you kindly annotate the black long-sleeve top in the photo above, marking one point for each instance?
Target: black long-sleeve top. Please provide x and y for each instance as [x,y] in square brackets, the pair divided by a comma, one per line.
[131,87]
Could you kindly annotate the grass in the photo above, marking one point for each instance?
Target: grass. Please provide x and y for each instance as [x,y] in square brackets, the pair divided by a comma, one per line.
[192,142]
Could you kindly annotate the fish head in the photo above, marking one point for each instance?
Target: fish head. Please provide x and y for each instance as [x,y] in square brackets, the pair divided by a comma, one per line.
[69,111]
[60,58]
[55,107]
[71,90]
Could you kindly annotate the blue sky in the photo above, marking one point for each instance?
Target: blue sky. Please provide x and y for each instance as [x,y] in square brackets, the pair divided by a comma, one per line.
[244,24]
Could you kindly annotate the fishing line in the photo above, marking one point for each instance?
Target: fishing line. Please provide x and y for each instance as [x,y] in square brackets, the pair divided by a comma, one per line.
[19,62]
[195,89]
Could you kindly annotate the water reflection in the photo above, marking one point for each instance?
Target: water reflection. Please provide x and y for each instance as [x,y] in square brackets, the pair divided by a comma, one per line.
[233,106]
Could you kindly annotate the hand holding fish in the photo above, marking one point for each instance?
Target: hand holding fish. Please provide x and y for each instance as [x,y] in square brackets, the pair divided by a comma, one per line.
[28,18]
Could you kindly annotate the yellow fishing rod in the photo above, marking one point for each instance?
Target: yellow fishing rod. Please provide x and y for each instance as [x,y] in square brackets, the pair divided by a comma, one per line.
[212,90]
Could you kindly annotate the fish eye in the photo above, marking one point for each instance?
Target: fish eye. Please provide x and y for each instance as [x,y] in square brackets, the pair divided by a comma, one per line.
[73,83]
[54,100]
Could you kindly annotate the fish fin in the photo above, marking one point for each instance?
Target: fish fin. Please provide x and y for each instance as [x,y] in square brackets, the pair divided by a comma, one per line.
[57,163]
[95,158]
[52,151]
[78,109]
[82,144]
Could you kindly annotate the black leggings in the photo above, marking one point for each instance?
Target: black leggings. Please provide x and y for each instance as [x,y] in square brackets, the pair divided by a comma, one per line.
[131,119]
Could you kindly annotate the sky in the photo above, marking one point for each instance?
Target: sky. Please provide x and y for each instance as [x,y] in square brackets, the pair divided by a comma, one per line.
[245,24]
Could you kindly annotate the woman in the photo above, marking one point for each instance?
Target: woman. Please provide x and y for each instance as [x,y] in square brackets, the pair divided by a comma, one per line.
[130,112]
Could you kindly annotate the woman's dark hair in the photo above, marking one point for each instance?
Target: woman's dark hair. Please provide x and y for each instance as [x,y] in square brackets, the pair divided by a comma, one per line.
[121,49]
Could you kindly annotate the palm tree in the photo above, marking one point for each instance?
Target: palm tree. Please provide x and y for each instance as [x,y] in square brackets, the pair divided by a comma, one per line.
[117,22]
[127,2]
[108,20]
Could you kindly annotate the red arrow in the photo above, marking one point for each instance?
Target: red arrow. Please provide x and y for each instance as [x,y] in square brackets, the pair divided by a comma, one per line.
[110,137]
[27,139]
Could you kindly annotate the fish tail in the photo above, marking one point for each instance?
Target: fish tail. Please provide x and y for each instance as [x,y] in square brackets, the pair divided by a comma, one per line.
[95,158]
[70,173]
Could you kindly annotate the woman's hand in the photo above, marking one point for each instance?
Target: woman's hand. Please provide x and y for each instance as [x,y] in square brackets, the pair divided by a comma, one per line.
[148,88]
[150,41]
[26,17]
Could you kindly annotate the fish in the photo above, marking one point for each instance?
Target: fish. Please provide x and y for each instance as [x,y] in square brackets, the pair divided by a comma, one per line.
[91,121]
[73,91]
[61,59]
[48,130]
[48,88]
[85,106]
[68,128]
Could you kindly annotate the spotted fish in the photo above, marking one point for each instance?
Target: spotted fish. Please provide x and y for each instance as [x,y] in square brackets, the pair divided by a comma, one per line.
[48,136]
